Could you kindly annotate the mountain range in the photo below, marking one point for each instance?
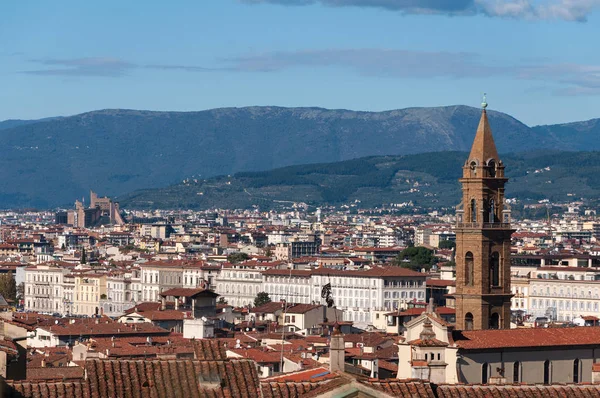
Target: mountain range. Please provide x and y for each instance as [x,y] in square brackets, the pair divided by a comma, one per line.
[51,162]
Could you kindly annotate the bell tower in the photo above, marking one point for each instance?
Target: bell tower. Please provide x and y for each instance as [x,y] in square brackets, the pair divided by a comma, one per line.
[483,234]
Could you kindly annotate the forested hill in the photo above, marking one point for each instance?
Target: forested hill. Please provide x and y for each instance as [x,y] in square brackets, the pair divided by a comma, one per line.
[428,179]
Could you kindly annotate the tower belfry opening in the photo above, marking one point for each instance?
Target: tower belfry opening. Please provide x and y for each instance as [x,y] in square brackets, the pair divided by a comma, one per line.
[483,235]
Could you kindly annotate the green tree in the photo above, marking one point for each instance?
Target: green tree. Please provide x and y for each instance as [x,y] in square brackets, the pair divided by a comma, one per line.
[222,300]
[21,291]
[83,257]
[8,286]
[447,244]
[416,258]
[237,257]
[261,299]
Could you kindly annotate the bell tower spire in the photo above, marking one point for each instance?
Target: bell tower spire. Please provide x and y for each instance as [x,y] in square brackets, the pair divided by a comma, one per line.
[483,147]
[483,237]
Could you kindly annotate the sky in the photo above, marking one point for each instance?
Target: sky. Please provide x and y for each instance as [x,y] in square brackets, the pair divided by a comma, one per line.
[537,60]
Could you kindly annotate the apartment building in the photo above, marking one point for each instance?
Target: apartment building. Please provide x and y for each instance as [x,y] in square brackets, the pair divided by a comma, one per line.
[122,292]
[239,283]
[357,292]
[90,288]
[299,245]
[158,276]
[44,288]
[564,293]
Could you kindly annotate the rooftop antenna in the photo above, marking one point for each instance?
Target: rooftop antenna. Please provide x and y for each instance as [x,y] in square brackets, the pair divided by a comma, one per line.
[484,103]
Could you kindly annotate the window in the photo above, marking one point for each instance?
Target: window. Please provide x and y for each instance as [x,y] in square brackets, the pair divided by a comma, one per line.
[576,370]
[484,373]
[473,210]
[495,321]
[517,372]
[547,372]
[492,214]
[495,269]
[469,271]
[468,321]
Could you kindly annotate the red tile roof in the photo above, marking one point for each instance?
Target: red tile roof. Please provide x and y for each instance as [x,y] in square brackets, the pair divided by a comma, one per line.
[268,308]
[303,308]
[187,292]
[524,391]
[175,378]
[21,389]
[209,350]
[105,329]
[145,306]
[62,373]
[440,282]
[401,388]
[301,389]
[533,337]
[310,375]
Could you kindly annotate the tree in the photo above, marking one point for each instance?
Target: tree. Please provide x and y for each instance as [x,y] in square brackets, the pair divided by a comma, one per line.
[416,258]
[83,257]
[237,257]
[268,252]
[261,299]
[21,291]
[8,286]
[447,244]
[222,300]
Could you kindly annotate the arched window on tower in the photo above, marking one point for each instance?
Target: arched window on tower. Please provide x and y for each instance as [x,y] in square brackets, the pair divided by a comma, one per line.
[469,269]
[468,321]
[492,168]
[473,210]
[473,167]
[495,269]
[492,211]
[495,321]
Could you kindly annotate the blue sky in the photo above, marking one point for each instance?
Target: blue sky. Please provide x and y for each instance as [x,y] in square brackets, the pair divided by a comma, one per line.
[536,59]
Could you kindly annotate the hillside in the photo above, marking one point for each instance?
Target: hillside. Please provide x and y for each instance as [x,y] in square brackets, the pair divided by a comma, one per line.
[428,179]
[54,161]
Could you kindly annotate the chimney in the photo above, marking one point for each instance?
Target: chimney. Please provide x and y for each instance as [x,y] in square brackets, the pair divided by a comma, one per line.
[336,350]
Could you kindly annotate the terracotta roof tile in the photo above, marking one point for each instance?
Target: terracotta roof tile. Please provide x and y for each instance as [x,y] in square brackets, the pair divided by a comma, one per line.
[534,337]
[402,388]
[176,378]
[209,350]
[187,292]
[521,391]
[19,389]
[55,373]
